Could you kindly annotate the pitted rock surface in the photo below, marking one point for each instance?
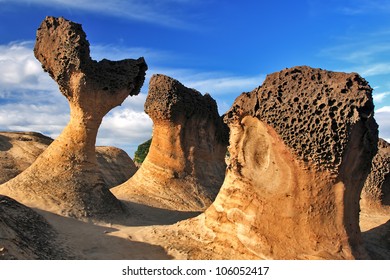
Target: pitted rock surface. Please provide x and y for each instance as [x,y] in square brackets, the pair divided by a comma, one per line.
[376,190]
[63,50]
[311,109]
[65,178]
[300,149]
[185,166]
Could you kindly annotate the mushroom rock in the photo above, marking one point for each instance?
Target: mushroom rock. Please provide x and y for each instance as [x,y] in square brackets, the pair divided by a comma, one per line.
[185,166]
[376,190]
[65,178]
[24,234]
[301,147]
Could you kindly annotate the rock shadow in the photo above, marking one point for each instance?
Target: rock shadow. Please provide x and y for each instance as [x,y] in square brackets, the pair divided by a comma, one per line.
[145,215]
[5,144]
[90,241]
[377,241]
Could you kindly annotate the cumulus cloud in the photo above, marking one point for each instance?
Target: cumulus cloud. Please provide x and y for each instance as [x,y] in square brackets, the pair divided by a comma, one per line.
[20,70]
[31,101]
[126,126]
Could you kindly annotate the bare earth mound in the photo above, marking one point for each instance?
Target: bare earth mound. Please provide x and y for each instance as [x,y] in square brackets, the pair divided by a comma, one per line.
[65,179]
[301,147]
[18,150]
[115,164]
[185,166]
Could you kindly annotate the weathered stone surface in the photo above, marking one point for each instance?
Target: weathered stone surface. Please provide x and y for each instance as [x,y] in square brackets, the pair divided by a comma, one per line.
[376,190]
[185,166]
[301,146]
[115,164]
[24,234]
[18,150]
[65,178]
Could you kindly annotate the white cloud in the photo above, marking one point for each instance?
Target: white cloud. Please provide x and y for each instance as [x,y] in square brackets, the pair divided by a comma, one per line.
[20,70]
[375,69]
[125,128]
[385,109]
[31,101]
[163,12]
[382,117]
[380,97]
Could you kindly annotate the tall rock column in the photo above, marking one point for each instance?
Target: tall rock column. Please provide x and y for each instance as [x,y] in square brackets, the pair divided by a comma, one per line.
[65,178]
[185,166]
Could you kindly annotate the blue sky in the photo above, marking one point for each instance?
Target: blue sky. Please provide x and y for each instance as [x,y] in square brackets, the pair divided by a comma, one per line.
[219,47]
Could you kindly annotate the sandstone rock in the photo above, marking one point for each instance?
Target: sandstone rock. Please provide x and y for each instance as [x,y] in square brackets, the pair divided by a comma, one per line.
[65,178]
[300,150]
[115,164]
[376,190]
[185,166]
[18,150]
[24,234]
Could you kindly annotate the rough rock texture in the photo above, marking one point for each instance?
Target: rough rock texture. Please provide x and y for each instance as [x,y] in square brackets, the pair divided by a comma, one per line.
[301,146]
[376,190]
[26,235]
[65,178]
[18,150]
[185,166]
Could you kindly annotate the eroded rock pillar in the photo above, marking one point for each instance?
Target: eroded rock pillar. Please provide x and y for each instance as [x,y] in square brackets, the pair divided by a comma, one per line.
[65,178]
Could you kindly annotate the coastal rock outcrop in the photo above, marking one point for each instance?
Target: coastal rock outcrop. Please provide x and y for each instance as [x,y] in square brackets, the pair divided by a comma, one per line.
[301,147]
[185,166]
[376,190]
[65,178]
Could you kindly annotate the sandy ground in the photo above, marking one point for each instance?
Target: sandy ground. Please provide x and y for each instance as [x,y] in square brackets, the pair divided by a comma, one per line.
[115,241]
[127,240]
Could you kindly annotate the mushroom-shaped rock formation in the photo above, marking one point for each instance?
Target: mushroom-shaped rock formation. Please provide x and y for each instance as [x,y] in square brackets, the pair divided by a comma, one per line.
[24,234]
[301,147]
[185,166]
[376,190]
[66,178]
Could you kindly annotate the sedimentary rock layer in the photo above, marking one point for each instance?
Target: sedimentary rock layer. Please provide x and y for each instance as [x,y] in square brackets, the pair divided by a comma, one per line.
[65,178]
[185,166]
[301,146]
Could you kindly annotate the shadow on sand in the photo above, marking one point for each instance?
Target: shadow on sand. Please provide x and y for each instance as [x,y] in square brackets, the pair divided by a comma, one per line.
[85,240]
[377,242]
